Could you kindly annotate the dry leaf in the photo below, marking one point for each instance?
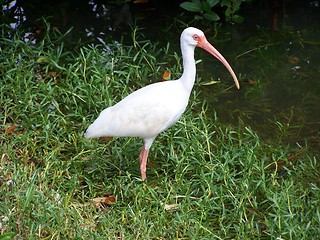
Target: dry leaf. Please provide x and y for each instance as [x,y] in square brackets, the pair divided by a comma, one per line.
[14,129]
[171,207]
[151,164]
[166,76]
[105,138]
[251,82]
[53,74]
[293,60]
[11,129]
[104,202]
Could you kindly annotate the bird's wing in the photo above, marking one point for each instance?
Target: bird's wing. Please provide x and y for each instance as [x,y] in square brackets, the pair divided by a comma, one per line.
[144,113]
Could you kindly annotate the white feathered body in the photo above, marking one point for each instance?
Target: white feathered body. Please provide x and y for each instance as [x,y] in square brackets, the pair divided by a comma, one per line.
[144,113]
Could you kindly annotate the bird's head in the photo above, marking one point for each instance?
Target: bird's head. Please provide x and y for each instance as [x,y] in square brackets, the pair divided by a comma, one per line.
[194,37]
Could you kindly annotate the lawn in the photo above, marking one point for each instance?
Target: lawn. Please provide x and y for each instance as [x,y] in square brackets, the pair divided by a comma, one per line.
[206,179]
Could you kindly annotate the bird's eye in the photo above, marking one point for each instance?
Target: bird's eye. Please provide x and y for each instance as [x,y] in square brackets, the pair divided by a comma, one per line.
[195,37]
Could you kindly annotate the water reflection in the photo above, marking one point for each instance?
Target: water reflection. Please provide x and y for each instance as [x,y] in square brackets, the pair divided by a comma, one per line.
[94,20]
[18,14]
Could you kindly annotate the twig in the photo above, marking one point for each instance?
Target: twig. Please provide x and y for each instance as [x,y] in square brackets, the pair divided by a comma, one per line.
[256,48]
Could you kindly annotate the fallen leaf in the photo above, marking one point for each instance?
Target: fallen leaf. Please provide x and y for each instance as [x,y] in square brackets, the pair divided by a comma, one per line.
[14,129]
[105,138]
[104,202]
[38,31]
[53,74]
[293,60]
[151,164]
[171,207]
[251,81]
[166,76]
[11,129]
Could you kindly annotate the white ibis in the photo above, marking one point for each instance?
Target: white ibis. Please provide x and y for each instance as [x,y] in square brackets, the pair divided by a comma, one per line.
[152,109]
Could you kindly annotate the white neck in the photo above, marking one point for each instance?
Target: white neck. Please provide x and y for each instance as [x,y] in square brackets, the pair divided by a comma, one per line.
[189,66]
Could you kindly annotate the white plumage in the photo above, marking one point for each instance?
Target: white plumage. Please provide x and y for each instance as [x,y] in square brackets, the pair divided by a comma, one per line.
[154,108]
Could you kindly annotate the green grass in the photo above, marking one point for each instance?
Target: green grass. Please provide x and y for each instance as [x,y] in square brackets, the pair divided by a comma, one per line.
[224,182]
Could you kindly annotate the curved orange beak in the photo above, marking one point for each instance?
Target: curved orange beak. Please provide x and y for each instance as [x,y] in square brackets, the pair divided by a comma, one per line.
[204,44]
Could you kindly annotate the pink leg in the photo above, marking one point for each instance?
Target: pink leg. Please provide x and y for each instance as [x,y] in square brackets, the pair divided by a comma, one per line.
[143,162]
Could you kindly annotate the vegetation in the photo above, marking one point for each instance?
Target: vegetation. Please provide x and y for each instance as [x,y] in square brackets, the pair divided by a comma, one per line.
[205,180]
[203,9]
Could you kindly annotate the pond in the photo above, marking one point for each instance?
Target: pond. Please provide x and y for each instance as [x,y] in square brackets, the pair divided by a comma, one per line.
[280,85]
[278,71]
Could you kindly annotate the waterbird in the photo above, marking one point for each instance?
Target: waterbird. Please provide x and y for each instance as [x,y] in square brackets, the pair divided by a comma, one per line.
[154,108]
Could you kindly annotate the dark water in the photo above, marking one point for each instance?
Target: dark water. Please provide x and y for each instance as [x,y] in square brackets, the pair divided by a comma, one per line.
[280,86]
[279,70]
